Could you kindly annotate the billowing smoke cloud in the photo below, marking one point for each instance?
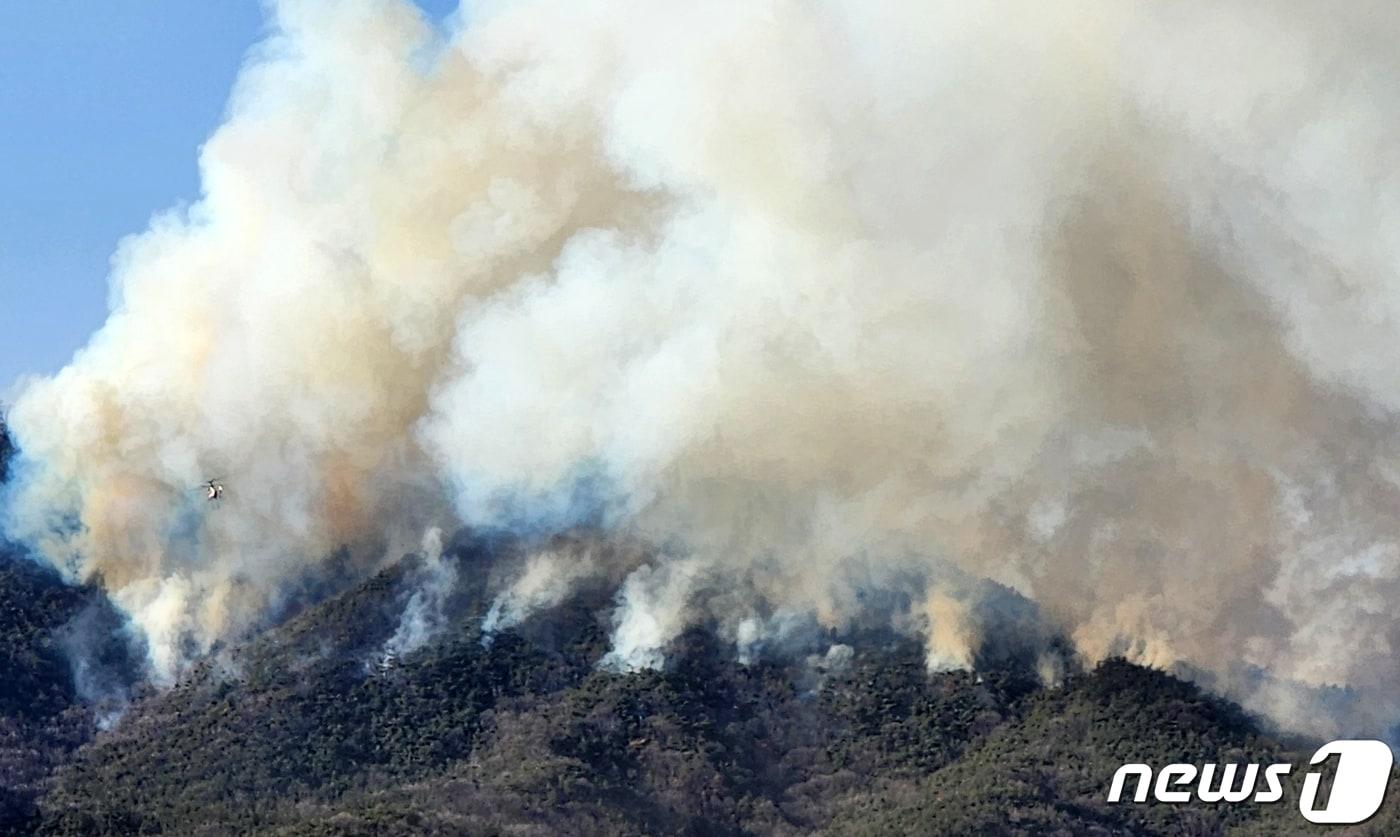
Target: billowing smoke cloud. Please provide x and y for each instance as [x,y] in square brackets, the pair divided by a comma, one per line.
[1094,300]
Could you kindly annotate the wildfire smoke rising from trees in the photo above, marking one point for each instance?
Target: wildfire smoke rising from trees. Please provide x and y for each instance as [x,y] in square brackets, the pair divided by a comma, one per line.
[1096,301]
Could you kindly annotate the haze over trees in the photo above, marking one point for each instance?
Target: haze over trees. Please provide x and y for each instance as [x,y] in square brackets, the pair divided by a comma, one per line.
[310,730]
[6,447]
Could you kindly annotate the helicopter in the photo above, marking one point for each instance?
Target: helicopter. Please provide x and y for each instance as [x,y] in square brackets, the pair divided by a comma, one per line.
[213,489]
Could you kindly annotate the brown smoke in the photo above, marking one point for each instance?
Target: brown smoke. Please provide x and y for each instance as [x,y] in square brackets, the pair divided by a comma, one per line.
[1096,300]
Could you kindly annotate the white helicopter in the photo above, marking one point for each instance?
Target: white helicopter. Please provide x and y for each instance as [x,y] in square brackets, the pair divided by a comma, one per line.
[213,489]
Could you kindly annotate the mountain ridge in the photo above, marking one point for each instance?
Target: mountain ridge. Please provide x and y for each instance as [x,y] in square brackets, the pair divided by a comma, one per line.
[307,730]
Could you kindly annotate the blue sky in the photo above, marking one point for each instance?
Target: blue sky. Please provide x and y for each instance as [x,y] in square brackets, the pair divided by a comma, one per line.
[103,106]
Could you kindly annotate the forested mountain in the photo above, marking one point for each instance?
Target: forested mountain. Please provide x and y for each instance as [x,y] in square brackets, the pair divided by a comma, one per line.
[49,705]
[312,730]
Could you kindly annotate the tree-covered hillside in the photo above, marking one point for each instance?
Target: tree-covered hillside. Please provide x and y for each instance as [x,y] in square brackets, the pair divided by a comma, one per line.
[63,661]
[311,730]
[60,648]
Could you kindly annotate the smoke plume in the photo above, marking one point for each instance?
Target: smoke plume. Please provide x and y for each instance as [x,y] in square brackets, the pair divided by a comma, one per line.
[423,617]
[546,581]
[835,303]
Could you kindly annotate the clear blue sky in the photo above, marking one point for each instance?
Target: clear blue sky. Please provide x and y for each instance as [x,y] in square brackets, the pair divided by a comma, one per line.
[103,106]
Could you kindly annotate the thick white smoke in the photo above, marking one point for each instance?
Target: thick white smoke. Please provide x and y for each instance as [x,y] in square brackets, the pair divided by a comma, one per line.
[1096,300]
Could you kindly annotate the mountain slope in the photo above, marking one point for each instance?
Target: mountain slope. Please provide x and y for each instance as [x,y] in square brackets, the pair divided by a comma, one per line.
[311,730]
[44,715]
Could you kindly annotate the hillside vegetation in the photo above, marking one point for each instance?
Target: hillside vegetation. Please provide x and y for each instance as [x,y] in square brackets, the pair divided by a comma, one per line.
[44,623]
[312,730]
[309,730]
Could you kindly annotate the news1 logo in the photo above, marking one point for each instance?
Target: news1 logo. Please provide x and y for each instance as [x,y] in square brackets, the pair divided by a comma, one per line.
[1358,788]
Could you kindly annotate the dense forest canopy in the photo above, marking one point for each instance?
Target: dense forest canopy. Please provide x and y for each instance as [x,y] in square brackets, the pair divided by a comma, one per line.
[311,729]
